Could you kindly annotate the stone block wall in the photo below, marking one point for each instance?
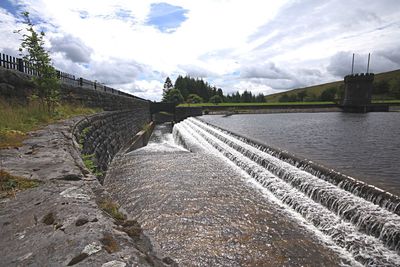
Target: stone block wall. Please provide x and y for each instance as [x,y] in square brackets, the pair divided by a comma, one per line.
[102,135]
[17,85]
[185,112]
[99,99]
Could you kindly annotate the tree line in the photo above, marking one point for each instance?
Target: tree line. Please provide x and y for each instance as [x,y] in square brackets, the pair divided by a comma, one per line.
[194,90]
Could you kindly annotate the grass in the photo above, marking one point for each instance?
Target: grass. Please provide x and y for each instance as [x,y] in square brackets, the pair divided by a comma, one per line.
[10,184]
[386,101]
[112,209]
[253,104]
[109,243]
[146,127]
[88,160]
[16,120]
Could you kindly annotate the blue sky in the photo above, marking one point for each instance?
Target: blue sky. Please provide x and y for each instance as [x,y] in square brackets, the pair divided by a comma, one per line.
[262,46]
[166,17]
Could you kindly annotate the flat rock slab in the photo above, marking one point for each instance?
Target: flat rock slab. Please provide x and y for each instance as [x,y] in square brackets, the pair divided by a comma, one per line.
[59,223]
[204,213]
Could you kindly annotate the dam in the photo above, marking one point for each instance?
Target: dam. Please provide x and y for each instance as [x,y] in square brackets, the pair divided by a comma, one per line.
[196,195]
[211,198]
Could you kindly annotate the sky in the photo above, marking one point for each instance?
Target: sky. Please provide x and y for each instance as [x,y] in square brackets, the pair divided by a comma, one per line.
[260,46]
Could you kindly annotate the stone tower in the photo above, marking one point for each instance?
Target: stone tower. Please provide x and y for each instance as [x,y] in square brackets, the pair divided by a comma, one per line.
[357,92]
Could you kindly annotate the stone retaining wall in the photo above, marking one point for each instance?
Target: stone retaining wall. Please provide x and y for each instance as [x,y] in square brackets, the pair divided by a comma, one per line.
[17,85]
[102,135]
[99,99]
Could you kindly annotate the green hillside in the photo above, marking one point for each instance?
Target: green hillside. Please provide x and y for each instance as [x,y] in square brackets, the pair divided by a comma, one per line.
[386,87]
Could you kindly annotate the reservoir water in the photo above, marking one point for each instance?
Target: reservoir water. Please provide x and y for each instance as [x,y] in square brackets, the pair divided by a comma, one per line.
[364,146]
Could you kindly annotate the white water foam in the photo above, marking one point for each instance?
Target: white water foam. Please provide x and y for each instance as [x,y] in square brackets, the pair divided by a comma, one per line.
[326,224]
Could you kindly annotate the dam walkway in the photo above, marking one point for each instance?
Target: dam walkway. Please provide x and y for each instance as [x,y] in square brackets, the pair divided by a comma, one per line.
[203,211]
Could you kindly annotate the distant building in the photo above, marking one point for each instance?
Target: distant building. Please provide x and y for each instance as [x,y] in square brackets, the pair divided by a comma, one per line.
[358,92]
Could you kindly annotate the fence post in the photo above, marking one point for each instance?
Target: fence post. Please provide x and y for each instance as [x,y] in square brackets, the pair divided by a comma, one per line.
[20,66]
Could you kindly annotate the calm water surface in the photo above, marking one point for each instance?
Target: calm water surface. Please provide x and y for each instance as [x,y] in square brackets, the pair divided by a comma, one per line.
[365,146]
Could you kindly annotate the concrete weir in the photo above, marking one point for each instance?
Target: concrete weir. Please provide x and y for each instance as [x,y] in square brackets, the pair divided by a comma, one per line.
[203,212]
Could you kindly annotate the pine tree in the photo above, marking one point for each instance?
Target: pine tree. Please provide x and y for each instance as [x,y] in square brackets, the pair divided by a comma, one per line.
[167,87]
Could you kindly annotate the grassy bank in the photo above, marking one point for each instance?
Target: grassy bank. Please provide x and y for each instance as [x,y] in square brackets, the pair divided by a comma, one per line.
[17,120]
[386,102]
[278,103]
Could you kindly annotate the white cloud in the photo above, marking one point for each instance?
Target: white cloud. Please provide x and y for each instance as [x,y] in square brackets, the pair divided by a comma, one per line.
[257,45]
[73,48]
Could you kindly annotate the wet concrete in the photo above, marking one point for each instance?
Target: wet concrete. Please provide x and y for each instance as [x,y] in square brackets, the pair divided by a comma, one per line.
[203,212]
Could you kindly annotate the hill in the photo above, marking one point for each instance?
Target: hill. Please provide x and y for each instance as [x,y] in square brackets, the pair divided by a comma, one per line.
[386,85]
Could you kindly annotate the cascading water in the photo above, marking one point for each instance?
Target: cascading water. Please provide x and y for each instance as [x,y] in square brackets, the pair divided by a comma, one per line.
[369,192]
[369,232]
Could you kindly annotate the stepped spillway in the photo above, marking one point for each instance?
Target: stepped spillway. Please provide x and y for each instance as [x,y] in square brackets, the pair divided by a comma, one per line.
[202,210]
[351,220]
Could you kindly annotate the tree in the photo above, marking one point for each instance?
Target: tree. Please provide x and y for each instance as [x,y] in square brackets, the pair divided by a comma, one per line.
[193,98]
[246,97]
[394,90]
[380,87]
[167,87]
[168,84]
[174,96]
[48,87]
[215,99]
[260,98]
[181,85]
[340,93]
[301,95]
[328,94]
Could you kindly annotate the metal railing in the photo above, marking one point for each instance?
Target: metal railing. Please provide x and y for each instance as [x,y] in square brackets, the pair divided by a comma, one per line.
[14,63]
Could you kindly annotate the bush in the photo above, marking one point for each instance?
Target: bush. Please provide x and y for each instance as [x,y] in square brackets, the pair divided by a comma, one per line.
[216,99]
[328,94]
[194,99]
[174,96]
